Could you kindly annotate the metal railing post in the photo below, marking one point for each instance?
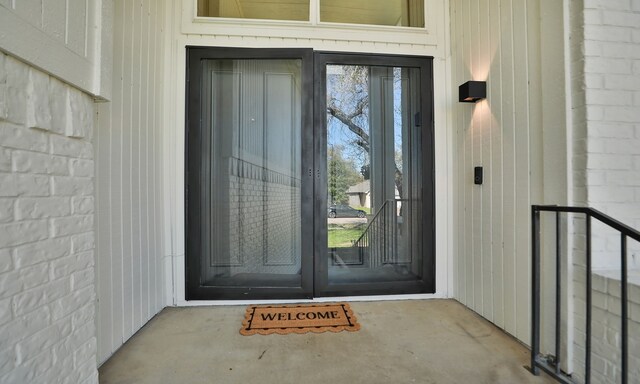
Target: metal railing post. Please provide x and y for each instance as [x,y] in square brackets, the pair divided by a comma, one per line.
[395,231]
[624,298]
[535,289]
[587,358]
[558,293]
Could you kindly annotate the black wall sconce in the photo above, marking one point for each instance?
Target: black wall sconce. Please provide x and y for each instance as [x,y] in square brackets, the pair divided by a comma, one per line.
[472,91]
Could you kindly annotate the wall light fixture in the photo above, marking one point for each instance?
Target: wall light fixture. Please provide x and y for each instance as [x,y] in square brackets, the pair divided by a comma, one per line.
[472,91]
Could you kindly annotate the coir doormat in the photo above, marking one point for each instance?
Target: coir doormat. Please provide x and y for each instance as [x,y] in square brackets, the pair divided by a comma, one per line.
[303,318]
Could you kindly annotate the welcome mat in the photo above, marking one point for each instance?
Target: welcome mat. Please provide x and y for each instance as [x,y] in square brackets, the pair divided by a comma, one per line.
[303,318]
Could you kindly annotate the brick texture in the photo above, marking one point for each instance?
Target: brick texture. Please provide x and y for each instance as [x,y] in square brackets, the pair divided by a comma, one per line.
[262,211]
[612,118]
[608,145]
[606,329]
[47,284]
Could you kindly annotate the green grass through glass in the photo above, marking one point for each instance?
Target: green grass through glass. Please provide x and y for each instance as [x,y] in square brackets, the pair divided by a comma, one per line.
[344,235]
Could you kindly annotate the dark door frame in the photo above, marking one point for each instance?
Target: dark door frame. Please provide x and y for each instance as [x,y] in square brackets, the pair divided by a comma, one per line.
[314,191]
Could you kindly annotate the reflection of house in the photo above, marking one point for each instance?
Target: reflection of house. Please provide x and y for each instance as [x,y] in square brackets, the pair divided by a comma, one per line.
[360,195]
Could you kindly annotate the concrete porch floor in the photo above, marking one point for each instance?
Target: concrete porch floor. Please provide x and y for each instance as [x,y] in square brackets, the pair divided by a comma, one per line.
[416,341]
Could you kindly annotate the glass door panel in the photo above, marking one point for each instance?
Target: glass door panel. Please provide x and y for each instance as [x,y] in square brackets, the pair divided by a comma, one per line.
[249,173]
[375,237]
[254,149]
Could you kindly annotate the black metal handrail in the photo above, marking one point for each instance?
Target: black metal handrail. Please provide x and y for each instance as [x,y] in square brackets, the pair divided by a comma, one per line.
[553,367]
[376,234]
[375,217]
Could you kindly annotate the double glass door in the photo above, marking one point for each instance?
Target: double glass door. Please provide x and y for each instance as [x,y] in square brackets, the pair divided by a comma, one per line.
[308,174]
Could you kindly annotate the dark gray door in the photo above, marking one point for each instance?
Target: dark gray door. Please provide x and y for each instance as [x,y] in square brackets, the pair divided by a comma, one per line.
[308,174]
[246,202]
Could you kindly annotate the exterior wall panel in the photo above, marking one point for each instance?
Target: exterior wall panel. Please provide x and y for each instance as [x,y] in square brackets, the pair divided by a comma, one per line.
[131,277]
[612,97]
[606,140]
[492,41]
[497,165]
[47,285]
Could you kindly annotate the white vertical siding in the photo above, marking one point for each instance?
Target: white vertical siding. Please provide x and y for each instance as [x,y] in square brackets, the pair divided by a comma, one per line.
[495,94]
[491,41]
[129,180]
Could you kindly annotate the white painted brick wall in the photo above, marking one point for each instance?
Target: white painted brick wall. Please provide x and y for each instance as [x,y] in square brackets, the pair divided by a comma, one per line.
[606,329]
[611,54]
[612,93]
[47,290]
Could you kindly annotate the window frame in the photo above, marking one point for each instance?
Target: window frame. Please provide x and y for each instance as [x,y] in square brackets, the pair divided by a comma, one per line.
[314,29]
[314,19]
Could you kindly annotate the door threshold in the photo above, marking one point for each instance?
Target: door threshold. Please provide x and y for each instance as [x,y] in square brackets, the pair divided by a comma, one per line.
[203,303]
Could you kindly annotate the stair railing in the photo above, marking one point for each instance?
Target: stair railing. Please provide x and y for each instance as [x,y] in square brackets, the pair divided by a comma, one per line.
[380,238]
[552,366]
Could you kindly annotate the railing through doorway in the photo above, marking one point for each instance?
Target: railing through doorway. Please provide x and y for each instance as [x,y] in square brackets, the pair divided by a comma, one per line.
[552,366]
[379,241]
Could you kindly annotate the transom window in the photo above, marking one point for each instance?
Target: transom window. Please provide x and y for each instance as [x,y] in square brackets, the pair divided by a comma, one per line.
[400,13]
